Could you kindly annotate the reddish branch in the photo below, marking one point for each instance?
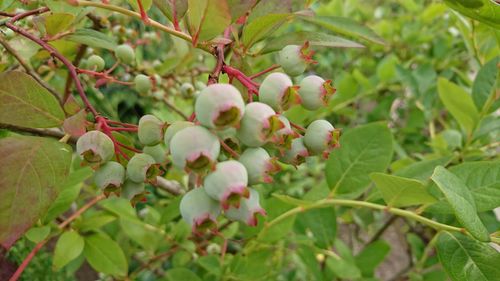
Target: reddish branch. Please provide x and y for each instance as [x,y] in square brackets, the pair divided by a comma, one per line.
[273,67]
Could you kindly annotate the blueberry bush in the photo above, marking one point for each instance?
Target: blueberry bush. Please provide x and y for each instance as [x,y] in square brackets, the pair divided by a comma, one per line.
[249,140]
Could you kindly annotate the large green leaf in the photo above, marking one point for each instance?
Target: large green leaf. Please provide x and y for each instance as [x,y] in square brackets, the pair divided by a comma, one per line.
[240,7]
[461,201]
[401,192]
[322,225]
[363,150]
[422,170]
[485,83]
[371,256]
[32,168]
[261,27]
[24,102]
[69,247]
[345,26]
[172,7]
[459,103]
[208,18]
[466,259]
[105,255]
[146,4]
[485,11]
[180,273]
[314,39]
[58,22]
[92,38]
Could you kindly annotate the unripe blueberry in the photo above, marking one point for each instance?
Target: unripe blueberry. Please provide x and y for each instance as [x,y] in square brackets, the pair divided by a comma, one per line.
[227,184]
[258,125]
[150,130]
[294,59]
[142,167]
[297,153]
[172,129]
[125,53]
[277,91]
[95,147]
[285,135]
[248,210]
[132,191]
[199,210]
[219,106]
[194,149]
[9,33]
[200,85]
[315,92]
[142,83]
[321,137]
[259,165]
[187,90]
[95,62]
[109,176]
[158,152]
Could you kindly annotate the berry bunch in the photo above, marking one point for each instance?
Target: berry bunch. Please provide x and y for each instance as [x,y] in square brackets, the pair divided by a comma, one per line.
[228,144]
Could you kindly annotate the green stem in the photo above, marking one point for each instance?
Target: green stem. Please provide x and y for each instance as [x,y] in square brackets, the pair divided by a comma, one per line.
[425,255]
[354,203]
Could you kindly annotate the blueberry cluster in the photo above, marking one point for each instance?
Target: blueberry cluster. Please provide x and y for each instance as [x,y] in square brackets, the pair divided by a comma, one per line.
[230,146]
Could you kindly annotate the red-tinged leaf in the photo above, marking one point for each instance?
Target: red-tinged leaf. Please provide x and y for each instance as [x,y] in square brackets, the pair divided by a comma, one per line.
[208,18]
[32,167]
[240,7]
[75,124]
[174,10]
[71,106]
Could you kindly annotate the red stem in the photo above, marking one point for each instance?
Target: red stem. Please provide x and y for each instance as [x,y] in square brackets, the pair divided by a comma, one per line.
[300,128]
[240,76]
[130,148]
[271,68]
[121,124]
[229,149]
[127,129]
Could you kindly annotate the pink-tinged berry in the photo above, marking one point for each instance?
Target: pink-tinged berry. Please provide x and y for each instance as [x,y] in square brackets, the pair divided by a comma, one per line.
[142,167]
[248,210]
[95,147]
[277,91]
[258,125]
[321,137]
[158,152]
[259,165]
[150,130]
[315,92]
[294,59]
[219,106]
[194,149]
[133,191]
[172,129]
[297,153]
[285,135]
[227,184]
[199,210]
[110,176]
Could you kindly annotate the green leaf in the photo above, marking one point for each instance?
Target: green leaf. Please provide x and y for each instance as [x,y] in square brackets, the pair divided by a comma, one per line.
[69,191]
[169,8]
[345,26]
[105,255]
[207,18]
[69,247]
[422,170]
[37,234]
[363,150]
[180,273]
[459,103]
[465,259]
[24,102]
[461,201]
[322,223]
[92,38]
[32,169]
[344,267]
[371,256]
[261,27]
[485,11]
[146,4]
[314,39]
[147,236]
[239,7]
[58,22]
[401,192]
[485,83]
[95,221]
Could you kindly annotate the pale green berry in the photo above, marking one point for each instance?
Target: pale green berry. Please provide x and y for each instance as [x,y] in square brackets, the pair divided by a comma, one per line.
[219,106]
[125,53]
[9,33]
[187,90]
[294,59]
[142,167]
[95,147]
[109,176]
[278,92]
[200,85]
[199,210]
[142,83]
[227,184]
[95,62]
[258,125]
[150,130]
[248,209]
[321,137]
[172,129]
[315,92]
[297,153]
[158,152]
[194,149]
[132,190]
[259,165]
